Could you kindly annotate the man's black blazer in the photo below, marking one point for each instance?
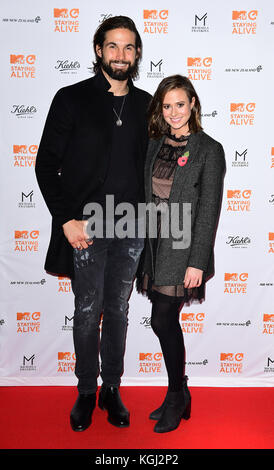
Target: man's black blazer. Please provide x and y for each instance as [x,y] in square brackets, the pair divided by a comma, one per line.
[73,156]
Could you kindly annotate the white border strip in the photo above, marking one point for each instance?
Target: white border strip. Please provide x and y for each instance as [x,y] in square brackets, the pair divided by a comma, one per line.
[144,382]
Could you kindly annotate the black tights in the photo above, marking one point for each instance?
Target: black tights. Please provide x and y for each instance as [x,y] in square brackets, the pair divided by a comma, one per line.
[165,324]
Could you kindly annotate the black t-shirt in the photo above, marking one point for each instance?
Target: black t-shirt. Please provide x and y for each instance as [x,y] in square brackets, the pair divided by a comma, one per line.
[122,178]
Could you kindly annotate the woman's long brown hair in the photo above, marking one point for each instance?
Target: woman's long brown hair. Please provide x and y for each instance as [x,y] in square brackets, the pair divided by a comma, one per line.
[157,126]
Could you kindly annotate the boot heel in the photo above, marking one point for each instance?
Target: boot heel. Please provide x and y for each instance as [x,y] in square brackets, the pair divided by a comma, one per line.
[187,411]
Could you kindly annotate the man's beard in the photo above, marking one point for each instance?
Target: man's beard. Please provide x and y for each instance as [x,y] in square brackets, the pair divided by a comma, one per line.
[117,74]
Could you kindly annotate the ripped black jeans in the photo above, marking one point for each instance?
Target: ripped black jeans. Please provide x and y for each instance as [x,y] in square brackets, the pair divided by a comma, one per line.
[104,274]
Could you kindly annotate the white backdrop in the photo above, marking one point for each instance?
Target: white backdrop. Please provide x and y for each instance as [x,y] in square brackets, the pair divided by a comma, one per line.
[226,48]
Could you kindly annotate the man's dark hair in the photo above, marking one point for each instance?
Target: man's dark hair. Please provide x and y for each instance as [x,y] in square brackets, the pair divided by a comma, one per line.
[116,22]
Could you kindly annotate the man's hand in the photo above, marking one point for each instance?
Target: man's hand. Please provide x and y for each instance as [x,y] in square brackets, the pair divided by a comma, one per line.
[75,232]
[193,277]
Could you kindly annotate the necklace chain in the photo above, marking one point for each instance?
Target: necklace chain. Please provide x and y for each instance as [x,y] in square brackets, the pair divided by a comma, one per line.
[119,122]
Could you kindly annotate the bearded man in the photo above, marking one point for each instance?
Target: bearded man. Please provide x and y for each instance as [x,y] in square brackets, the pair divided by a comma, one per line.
[93,146]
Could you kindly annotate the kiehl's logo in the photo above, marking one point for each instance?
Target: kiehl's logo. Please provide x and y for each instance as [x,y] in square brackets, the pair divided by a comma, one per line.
[242,114]
[28,322]
[238,200]
[24,156]
[146,322]
[155,21]
[236,241]
[231,363]
[199,68]
[66,20]
[150,362]
[244,22]
[22,66]
[192,322]
[23,111]
[26,241]
[235,283]
[67,66]
[66,362]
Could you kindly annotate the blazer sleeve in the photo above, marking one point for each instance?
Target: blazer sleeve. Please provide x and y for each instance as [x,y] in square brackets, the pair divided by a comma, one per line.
[51,151]
[208,209]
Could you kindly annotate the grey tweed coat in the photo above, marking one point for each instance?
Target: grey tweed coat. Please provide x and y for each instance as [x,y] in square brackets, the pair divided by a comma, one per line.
[199,182]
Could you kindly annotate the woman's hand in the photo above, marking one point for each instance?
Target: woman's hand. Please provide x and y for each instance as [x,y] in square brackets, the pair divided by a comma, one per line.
[193,277]
[75,232]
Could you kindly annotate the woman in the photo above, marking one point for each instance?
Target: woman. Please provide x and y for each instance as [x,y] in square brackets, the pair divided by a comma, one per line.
[184,165]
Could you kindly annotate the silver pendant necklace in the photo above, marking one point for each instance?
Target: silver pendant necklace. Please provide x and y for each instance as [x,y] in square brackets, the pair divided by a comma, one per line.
[119,122]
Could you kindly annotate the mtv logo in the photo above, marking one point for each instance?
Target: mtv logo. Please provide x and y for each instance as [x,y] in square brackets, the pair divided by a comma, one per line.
[17,59]
[150,14]
[188,316]
[268,317]
[60,13]
[63,356]
[21,234]
[226,356]
[194,61]
[145,356]
[231,276]
[20,149]
[239,15]
[23,316]
[237,107]
[233,193]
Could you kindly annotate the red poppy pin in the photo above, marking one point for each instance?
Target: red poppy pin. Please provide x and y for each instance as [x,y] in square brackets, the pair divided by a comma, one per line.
[183,159]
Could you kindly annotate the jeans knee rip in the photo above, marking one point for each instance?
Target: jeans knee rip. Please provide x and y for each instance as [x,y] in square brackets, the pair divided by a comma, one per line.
[134,253]
[82,258]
